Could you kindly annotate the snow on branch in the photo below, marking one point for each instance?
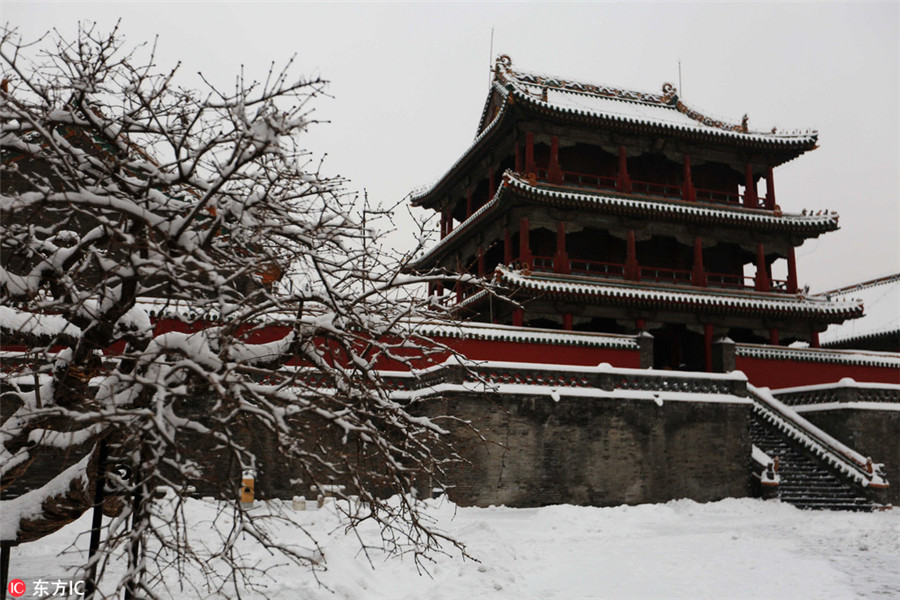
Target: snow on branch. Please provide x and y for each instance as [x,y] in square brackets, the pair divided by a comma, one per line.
[164,254]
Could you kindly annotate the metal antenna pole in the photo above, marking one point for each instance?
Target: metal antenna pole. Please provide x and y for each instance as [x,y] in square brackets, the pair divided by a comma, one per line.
[491,59]
[680,89]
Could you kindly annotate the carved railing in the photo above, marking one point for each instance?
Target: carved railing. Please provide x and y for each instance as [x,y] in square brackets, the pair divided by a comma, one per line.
[602,377]
[580,180]
[729,198]
[842,392]
[656,189]
[725,280]
[595,267]
[663,275]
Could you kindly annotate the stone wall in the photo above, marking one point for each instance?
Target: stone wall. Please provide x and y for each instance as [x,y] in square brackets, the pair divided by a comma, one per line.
[595,451]
[873,433]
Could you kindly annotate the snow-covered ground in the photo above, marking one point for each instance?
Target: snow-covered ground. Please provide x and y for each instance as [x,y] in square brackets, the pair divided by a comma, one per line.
[729,549]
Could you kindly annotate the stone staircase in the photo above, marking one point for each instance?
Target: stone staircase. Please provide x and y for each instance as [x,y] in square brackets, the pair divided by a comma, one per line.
[806,482]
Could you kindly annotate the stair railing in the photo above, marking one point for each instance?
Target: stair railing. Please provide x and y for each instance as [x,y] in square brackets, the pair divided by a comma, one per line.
[842,457]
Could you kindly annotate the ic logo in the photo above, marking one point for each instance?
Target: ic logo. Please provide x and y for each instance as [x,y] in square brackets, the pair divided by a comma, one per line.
[16,588]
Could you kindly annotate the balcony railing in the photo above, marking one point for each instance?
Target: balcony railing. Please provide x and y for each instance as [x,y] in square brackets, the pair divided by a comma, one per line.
[575,180]
[661,275]
[593,267]
[656,189]
[604,270]
[725,280]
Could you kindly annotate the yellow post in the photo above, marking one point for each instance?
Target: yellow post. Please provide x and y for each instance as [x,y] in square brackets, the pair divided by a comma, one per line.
[248,483]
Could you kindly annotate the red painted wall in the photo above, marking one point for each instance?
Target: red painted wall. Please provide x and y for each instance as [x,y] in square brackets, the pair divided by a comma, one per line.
[789,373]
[545,353]
[525,352]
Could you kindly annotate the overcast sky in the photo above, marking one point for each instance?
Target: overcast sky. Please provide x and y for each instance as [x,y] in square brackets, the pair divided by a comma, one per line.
[409,80]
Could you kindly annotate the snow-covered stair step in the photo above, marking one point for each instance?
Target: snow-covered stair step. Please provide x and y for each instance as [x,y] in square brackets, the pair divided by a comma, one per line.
[806,482]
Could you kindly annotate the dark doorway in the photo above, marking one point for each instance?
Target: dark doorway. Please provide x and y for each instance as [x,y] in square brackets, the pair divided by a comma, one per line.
[676,348]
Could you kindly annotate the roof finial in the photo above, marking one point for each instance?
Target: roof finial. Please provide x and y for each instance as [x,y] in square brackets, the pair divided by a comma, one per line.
[670,93]
[745,123]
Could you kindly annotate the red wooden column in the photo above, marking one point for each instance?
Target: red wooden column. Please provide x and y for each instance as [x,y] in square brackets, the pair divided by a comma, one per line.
[524,242]
[707,347]
[561,258]
[507,247]
[632,268]
[554,172]
[770,189]
[567,321]
[687,192]
[480,261]
[698,275]
[814,340]
[446,222]
[518,155]
[640,324]
[792,271]
[751,200]
[773,336]
[530,167]
[459,292]
[468,202]
[762,277]
[623,181]
[518,317]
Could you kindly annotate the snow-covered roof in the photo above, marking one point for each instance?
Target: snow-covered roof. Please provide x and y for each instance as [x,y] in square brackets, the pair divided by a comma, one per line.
[881,301]
[606,104]
[649,294]
[811,224]
[665,111]
[510,333]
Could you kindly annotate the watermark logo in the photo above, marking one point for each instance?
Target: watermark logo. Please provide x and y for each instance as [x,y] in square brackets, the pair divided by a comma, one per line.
[16,588]
[60,588]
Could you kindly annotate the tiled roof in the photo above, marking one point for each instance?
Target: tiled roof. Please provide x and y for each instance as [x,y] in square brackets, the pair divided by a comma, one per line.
[665,111]
[418,195]
[554,95]
[668,209]
[680,210]
[511,333]
[651,295]
[881,299]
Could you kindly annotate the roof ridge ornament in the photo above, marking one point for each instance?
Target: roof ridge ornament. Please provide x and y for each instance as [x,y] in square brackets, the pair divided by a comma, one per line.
[670,93]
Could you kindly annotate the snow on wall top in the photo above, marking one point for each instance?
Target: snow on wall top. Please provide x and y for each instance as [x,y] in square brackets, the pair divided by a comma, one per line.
[657,294]
[820,355]
[663,110]
[881,301]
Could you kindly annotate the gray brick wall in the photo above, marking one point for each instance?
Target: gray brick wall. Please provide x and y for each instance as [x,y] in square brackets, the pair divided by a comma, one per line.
[595,451]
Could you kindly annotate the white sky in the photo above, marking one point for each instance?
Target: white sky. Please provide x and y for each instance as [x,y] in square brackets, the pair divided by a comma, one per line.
[409,81]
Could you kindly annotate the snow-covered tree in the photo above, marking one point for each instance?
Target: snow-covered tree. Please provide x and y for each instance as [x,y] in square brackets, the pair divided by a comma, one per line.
[185,296]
